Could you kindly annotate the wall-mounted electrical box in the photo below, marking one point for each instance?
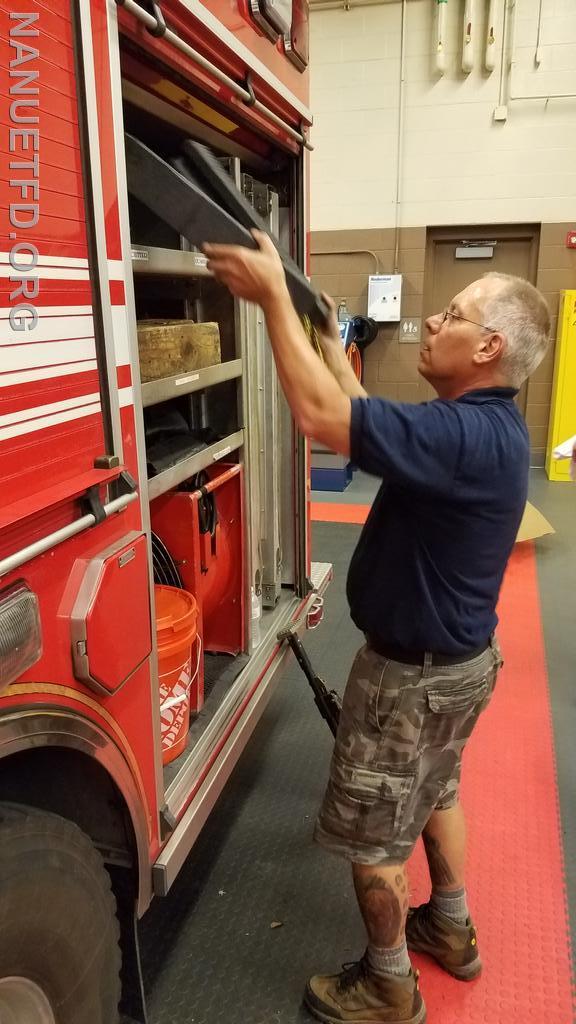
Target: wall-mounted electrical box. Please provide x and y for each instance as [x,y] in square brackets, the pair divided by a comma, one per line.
[384,295]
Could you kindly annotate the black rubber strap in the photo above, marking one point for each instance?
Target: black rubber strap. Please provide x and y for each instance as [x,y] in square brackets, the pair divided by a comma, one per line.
[92,505]
[126,483]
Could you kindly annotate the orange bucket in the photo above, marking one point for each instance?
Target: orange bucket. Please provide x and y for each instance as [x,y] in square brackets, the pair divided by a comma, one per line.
[176,616]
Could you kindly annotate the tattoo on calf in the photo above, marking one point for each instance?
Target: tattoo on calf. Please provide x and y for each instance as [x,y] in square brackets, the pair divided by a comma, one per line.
[382,911]
[440,870]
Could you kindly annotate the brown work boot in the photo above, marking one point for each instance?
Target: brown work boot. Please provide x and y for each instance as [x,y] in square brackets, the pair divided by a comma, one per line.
[359,995]
[453,945]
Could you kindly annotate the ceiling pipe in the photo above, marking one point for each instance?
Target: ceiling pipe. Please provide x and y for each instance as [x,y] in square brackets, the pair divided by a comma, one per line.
[468,37]
[490,48]
[440,35]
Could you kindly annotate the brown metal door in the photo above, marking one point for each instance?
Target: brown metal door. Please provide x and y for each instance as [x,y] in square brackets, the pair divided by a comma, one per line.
[515,252]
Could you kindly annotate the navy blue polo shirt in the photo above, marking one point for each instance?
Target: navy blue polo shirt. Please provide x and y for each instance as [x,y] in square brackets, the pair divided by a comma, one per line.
[430,560]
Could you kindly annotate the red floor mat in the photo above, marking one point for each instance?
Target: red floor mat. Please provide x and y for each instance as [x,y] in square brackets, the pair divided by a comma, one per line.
[334,512]
[515,869]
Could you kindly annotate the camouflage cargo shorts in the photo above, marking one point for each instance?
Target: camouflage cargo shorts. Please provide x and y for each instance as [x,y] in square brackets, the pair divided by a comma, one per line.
[398,752]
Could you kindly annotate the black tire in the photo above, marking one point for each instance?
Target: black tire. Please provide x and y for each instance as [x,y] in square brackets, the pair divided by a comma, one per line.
[58,924]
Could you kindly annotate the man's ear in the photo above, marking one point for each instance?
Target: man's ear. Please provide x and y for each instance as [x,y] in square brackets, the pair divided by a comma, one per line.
[491,347]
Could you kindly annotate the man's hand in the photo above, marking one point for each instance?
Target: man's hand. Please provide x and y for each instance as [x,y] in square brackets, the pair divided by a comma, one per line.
[320,403]
[256,275]
[330,340]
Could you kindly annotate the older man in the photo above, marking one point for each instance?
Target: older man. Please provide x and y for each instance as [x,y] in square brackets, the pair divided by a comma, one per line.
[422,586]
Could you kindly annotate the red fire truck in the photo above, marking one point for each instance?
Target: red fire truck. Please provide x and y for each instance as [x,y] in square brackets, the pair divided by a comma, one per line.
[118,487]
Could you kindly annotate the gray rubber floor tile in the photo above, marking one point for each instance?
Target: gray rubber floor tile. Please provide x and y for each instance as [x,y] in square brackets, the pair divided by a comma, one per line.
[210,952]
[258,907]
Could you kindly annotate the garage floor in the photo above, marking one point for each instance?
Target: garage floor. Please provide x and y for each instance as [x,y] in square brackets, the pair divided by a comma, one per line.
[258,907]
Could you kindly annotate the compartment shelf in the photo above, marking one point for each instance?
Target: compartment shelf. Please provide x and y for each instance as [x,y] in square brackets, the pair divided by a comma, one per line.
[150,260]
[194,464]
[164,388]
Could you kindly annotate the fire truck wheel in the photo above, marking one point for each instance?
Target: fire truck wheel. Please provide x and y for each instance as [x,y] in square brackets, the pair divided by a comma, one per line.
[59,935]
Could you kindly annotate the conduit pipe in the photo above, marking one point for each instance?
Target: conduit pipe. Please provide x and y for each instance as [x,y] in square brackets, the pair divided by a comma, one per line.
[346,5]
[544,96]
[538,53]
[511,4]
[347,252]
[503,59]
[400,140]
[512,94]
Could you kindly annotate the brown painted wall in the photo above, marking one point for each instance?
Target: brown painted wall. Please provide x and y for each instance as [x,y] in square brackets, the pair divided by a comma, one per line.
[390,367]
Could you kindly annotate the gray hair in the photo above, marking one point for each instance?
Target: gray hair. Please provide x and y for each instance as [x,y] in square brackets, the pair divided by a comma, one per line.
[521,313]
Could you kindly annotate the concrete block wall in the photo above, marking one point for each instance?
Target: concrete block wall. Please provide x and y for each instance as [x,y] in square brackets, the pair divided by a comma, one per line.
[457,164]
[341,262]
[389,366]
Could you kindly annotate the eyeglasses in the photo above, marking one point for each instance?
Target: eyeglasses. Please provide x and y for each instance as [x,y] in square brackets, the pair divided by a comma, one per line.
[448,312]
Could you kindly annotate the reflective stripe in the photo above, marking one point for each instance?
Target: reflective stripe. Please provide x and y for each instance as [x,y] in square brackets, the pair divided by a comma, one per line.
[48,311]
[51,328]
[126,397]
[40,411]
[8,380]
[120,335]
[33,426]
[46,261]
[60,273]
[24,357]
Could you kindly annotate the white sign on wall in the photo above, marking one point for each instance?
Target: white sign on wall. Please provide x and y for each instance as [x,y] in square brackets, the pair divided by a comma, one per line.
[384,295]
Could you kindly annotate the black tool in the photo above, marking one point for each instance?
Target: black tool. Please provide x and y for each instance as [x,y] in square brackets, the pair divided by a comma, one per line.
[206,171]
[174,194]
[327,701]
[216,181]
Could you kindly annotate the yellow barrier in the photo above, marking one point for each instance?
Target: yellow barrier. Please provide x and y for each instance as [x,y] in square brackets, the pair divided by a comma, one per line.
[563,407]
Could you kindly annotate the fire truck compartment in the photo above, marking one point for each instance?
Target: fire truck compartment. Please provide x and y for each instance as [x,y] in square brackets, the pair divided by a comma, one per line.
[221,450]
[197,198]
[122,474]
